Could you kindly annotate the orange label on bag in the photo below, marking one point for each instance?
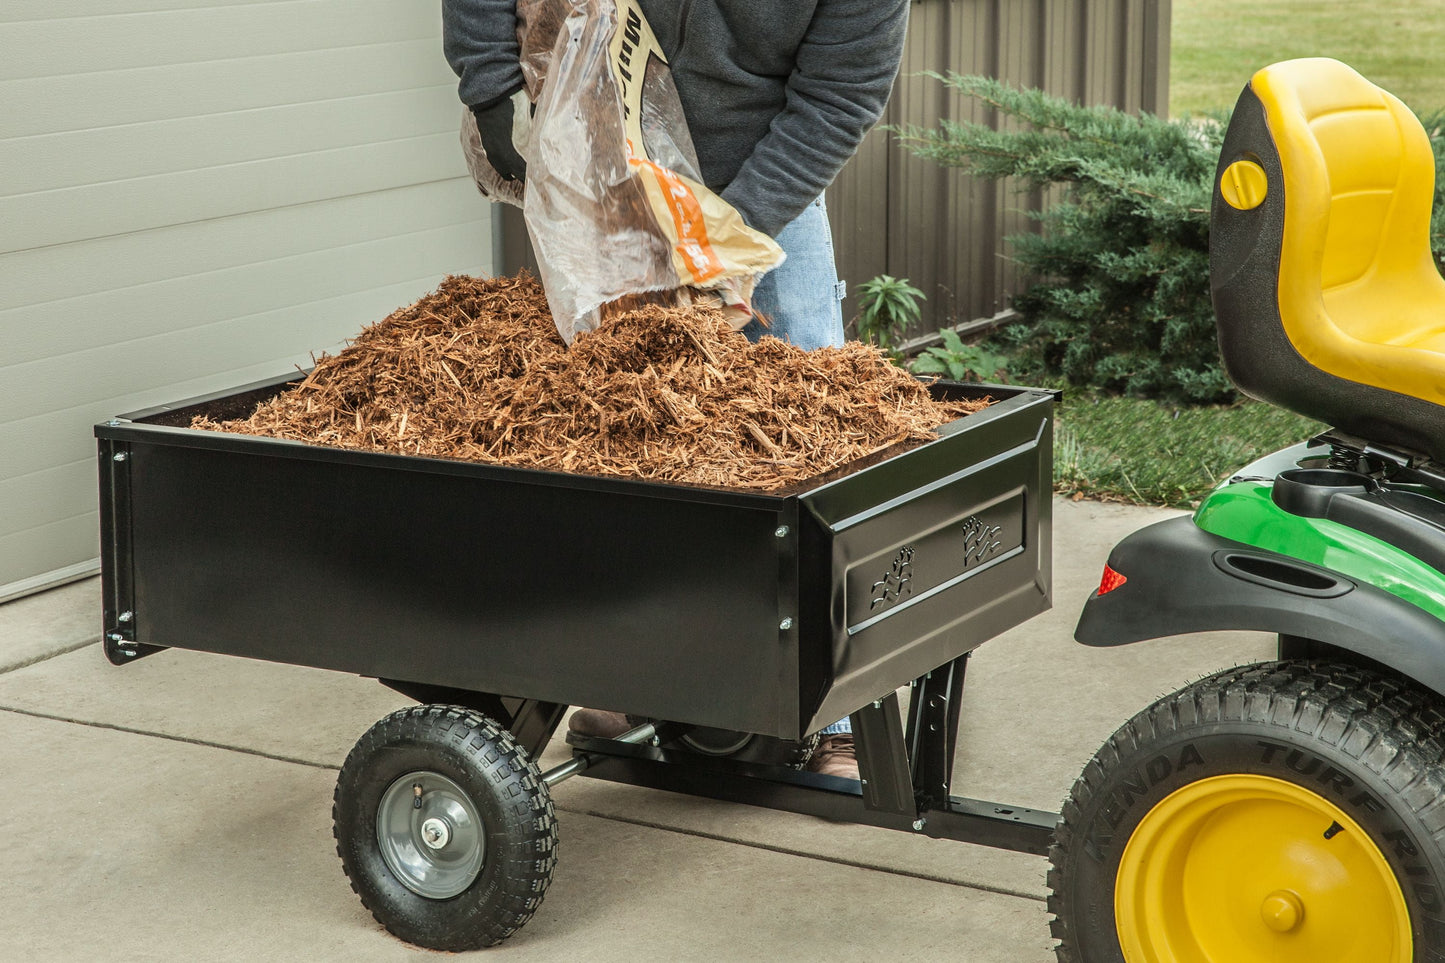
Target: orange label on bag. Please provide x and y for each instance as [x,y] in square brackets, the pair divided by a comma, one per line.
[633,46]
[688,232]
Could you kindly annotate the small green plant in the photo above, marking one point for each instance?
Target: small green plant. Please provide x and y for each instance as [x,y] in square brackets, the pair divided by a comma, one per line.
[886,307]
[959,361]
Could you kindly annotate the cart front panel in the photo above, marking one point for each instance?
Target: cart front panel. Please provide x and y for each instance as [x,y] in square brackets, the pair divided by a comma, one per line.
[930,563]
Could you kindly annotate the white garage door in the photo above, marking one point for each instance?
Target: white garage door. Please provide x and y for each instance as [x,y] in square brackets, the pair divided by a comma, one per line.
[194,195]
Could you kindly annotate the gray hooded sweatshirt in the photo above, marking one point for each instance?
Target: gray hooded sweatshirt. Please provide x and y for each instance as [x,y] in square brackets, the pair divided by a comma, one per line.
[778,93]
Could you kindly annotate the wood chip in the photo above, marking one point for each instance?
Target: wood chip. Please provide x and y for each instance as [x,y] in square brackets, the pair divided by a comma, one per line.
[476,371]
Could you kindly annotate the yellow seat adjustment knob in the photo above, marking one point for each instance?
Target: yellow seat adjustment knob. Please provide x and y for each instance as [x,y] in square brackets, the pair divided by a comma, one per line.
[1244,185]
[1282,911]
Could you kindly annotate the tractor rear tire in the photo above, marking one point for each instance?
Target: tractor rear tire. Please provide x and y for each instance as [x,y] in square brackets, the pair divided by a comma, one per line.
[1283,812]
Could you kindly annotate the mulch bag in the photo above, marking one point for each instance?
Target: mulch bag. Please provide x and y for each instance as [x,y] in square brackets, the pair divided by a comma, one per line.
[614,202]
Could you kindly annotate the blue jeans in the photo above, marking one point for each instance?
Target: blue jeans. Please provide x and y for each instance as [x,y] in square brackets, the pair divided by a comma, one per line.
[803,299]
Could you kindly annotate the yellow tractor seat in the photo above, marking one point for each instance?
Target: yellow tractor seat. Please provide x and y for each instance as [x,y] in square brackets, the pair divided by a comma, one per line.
[1327,296]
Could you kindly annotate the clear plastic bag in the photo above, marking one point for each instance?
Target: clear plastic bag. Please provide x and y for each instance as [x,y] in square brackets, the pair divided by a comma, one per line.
[614,202]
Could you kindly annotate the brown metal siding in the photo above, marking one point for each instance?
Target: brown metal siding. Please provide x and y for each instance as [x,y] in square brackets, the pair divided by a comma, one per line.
[895,214]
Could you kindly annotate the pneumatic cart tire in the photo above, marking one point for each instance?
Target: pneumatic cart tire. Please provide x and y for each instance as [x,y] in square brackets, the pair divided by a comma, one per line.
[445,828]
[1284,812]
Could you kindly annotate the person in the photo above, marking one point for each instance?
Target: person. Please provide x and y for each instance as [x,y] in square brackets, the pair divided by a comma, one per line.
[778,97]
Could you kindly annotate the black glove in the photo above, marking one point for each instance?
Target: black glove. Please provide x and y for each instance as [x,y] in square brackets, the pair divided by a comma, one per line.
[494,123]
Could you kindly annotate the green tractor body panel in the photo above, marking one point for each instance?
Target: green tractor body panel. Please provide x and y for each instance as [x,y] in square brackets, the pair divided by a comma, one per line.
[1243,510]
[1243,563]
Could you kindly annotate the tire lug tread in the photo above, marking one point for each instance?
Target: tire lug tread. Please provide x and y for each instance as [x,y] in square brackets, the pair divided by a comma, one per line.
[1387,724]
[523,882]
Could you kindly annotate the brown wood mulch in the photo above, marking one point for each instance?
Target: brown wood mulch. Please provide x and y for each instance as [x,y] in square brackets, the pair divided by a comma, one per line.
[476,371]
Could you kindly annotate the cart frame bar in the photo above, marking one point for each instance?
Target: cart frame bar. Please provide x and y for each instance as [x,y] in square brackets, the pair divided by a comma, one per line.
[907,774]
[905,784]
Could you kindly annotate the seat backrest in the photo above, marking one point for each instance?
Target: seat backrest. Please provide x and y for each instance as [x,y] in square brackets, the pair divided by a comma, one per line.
[1359,177]
[1326,291]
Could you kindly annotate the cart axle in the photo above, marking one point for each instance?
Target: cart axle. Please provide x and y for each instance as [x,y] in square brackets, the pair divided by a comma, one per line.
[579,763]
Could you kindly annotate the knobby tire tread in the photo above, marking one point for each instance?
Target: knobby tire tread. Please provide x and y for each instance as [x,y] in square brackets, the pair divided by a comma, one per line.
[1387,724]
[523,882]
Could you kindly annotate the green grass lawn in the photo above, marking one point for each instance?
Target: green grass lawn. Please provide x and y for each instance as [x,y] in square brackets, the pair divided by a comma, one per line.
[1218,44]
[1148,453]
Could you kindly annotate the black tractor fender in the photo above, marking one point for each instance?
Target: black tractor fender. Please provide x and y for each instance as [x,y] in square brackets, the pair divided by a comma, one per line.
[1180,579]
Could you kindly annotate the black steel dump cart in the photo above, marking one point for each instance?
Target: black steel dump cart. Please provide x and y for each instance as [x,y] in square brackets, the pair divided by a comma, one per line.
[730,625]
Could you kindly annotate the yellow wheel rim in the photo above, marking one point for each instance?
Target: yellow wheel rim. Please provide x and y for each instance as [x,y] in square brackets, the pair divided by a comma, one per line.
[1238,869]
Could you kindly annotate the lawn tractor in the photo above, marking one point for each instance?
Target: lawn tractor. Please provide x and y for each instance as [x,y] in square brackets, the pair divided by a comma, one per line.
[1292,810]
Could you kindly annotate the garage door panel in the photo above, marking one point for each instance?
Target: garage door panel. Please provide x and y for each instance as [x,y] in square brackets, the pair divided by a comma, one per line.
[100,265]
[62,102]
[49,334]
[158,37]
[55,161]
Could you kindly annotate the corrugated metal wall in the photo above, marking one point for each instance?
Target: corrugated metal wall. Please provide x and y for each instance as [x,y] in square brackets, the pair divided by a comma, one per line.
[895,214]
[195,194]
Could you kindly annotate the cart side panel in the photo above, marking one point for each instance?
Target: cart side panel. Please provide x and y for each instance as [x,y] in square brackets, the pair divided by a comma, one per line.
[931,555]
[660,606]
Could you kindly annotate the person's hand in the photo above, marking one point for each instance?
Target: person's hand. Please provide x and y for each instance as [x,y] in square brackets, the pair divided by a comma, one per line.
[736,301]
[494,124]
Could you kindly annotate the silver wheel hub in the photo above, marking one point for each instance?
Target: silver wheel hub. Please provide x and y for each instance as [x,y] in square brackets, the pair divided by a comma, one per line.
[430,835]
[434,833]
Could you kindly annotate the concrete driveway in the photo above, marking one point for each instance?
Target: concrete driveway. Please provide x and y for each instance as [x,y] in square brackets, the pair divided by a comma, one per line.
[180,808]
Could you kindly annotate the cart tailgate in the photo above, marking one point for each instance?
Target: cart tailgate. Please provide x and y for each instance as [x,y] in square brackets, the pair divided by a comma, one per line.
[930,555]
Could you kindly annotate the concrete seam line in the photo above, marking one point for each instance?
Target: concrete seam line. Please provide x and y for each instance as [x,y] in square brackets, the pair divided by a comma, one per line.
[47,656]
[170,738]
[786,851]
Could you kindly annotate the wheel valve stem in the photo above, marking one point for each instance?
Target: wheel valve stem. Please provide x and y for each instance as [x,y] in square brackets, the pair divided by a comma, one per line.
[1334,830]
[416,797]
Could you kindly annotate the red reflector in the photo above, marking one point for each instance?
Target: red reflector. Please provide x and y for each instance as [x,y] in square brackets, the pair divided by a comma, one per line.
[1110,581]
